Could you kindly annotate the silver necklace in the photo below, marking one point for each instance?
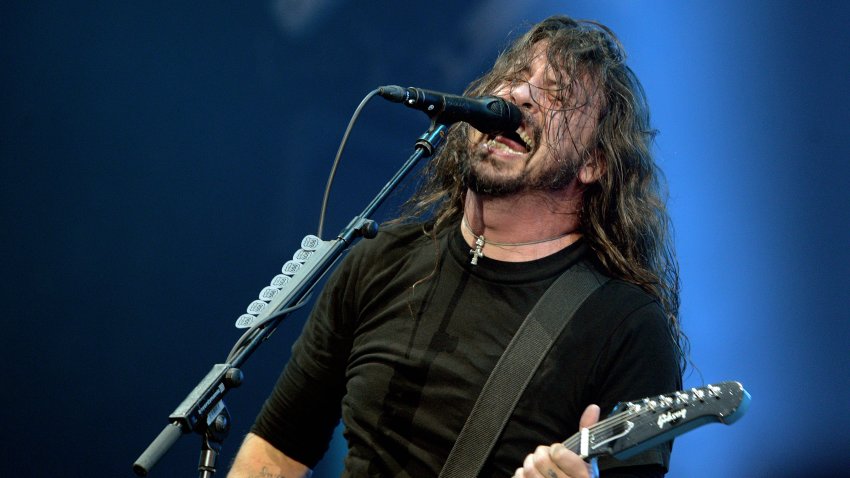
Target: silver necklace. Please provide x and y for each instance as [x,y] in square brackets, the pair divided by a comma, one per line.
[480,242]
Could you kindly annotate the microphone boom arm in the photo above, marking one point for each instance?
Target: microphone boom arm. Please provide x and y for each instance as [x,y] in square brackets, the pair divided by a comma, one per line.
[203,411]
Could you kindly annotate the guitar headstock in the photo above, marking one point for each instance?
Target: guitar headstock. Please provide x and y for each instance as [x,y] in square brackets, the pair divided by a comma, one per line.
[635,426]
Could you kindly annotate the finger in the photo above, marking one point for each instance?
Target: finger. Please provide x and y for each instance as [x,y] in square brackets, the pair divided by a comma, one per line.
[528,469]
[538,464]
[589,417]
[568,462]
[543,463]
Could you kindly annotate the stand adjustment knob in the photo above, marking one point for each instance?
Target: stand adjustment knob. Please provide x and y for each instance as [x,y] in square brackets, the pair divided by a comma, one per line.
[233,378]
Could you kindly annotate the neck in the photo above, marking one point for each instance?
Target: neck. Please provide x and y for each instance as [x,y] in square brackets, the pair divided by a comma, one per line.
[522,227]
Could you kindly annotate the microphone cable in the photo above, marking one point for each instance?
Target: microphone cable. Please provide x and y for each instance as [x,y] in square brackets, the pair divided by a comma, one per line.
[255,329]
[342,143]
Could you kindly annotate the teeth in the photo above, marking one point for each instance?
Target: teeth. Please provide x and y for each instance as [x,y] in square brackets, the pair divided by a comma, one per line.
[525,137]
[501,147]
[529,143]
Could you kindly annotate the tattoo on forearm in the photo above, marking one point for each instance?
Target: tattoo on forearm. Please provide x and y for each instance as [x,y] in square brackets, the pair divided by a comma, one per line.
[265,473]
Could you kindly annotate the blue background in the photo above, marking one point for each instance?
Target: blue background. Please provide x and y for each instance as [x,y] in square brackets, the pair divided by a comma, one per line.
[160,160]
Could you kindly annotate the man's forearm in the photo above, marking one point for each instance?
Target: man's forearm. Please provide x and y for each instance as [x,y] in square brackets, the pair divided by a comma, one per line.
[257,458]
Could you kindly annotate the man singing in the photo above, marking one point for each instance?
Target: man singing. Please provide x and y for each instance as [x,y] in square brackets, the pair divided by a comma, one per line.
[411,323]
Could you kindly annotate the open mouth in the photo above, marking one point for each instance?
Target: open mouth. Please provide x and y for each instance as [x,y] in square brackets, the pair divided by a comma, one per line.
[515,142]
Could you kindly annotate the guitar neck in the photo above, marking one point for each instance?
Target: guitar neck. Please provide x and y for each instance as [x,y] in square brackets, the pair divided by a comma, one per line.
[596,436]
[636,426]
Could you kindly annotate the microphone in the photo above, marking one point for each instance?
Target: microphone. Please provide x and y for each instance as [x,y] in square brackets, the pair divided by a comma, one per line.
[488,114]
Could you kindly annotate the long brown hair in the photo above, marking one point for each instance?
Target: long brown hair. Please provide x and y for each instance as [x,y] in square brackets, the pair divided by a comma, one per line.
[623,216]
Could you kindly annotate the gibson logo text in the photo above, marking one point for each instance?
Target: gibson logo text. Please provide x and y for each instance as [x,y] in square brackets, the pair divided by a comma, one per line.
[670,416]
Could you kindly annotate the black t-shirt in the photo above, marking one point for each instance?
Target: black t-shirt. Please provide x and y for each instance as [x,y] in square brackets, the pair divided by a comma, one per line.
[406,332]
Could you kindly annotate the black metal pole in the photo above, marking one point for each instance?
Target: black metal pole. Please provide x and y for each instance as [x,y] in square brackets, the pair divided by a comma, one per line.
[202,410]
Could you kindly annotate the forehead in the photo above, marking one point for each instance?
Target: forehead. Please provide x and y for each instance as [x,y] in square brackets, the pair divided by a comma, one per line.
[561,76]
[539,59]
[538,63]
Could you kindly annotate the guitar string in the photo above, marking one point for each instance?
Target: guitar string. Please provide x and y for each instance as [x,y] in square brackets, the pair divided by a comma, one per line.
[608,424]
[603,426]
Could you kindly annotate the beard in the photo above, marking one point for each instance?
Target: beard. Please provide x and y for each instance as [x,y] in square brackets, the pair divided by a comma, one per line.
[484,175]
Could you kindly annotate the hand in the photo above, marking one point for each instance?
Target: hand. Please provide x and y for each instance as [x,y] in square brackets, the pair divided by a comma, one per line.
[556,461]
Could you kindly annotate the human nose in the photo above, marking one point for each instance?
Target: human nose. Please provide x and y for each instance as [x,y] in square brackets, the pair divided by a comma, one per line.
[520,93]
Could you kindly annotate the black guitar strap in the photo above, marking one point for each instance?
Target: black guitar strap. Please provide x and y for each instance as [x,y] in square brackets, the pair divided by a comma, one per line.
[516,367]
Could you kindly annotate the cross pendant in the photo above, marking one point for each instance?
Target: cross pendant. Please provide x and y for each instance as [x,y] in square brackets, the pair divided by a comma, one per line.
[477,252]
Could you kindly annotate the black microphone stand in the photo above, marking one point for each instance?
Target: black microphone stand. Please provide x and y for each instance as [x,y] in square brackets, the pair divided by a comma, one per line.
[203,411]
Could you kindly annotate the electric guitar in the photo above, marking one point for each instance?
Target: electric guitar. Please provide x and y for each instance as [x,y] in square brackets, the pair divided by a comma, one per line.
[636,426]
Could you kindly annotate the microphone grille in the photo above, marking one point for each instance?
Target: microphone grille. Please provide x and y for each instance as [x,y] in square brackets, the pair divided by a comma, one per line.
[507,110]
[498,106]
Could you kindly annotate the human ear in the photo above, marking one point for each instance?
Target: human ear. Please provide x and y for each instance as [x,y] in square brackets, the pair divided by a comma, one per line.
[592,169]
